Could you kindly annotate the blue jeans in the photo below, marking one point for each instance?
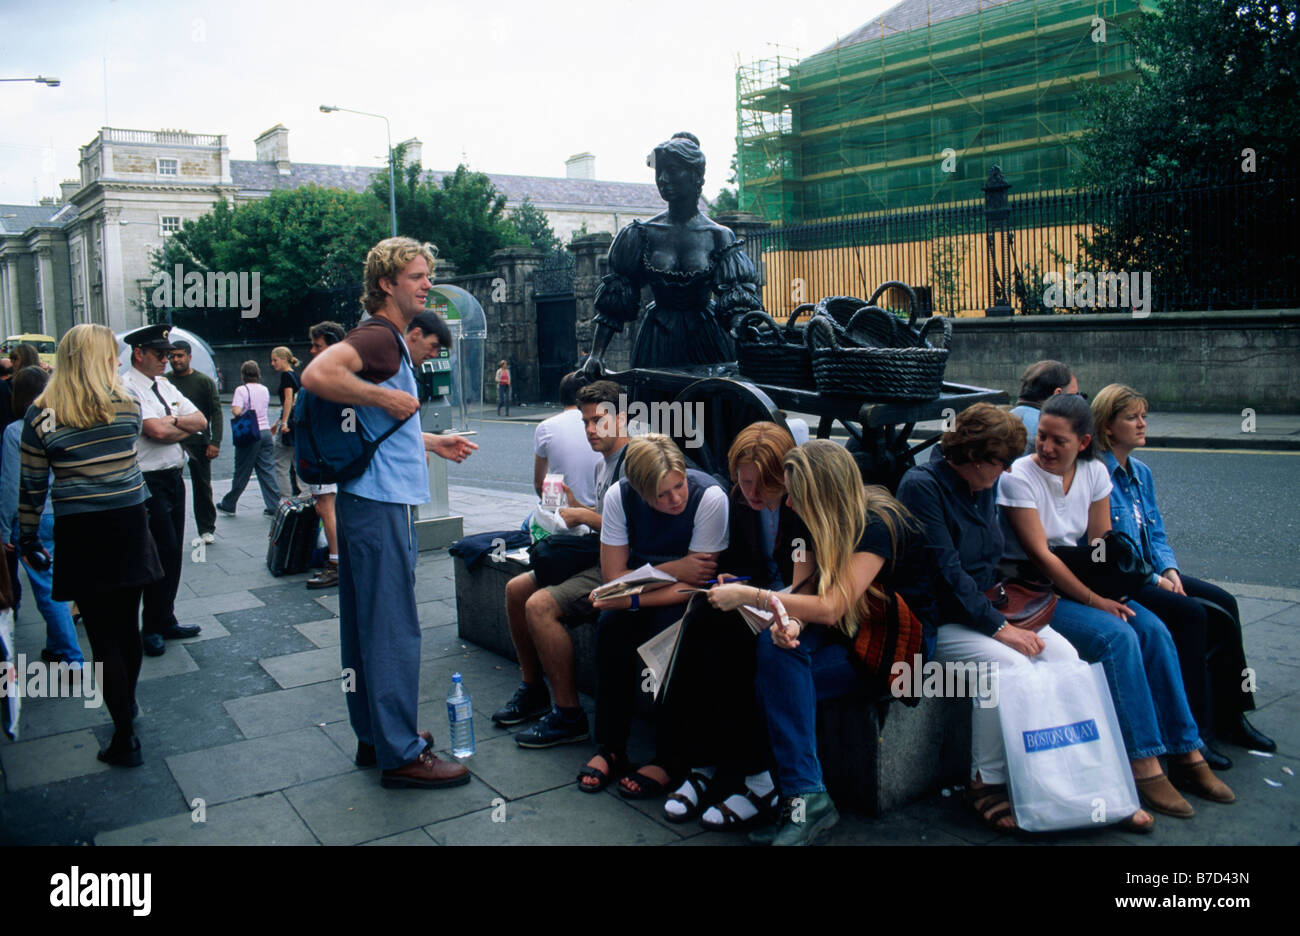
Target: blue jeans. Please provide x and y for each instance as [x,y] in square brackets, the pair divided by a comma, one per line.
[789,684]
[60,632]
[1141,665]
[379,627]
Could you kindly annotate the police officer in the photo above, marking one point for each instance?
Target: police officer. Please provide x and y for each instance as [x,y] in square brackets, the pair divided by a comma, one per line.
[168,418]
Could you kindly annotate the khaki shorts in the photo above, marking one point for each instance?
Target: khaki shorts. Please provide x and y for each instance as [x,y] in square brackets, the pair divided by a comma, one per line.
[572,594]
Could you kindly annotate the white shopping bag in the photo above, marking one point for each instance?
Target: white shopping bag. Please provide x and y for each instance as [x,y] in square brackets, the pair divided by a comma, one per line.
[1065,756]
[542,523]
[12,702]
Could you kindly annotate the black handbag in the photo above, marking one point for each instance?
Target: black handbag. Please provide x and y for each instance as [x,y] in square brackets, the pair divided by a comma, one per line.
[561,556]
[1115,569]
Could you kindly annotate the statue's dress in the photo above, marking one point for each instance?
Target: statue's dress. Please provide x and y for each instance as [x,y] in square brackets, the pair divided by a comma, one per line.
[689,319]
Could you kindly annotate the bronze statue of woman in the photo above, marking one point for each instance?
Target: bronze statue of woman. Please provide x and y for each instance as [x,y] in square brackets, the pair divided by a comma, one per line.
[701,277]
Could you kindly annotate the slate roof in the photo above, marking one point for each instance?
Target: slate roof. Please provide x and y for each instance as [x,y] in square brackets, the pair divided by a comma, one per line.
[911,14]
[543,190]
[27,216]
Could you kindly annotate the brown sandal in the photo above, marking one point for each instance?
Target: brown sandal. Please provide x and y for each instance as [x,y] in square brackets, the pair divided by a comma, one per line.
[1158,794]
[1199,780]
[990,802]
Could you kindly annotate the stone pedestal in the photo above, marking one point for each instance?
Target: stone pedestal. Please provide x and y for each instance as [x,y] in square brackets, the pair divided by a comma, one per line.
[512,319]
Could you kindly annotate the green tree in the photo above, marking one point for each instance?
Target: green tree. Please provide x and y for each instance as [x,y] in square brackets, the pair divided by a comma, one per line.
[729,198]
[531,223]
[1214,78]
[464,214]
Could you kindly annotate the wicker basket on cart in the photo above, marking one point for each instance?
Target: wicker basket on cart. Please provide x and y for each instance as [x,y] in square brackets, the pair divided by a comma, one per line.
[770,354]
[876,356]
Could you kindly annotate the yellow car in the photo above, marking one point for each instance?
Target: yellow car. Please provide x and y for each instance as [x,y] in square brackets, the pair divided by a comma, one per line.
[45,345]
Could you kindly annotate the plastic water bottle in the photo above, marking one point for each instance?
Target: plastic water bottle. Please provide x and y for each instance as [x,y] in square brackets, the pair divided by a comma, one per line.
[460,716]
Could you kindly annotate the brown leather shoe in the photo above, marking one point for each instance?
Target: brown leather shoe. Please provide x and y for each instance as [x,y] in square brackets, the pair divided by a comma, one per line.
[427,771]
[1200,780]
[1158,794]
[328,577]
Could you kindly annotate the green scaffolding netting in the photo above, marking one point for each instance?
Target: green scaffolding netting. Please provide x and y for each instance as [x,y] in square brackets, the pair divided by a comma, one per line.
[917,116]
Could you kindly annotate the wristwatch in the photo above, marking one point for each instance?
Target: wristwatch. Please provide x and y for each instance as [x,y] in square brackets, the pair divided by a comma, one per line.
[636,603]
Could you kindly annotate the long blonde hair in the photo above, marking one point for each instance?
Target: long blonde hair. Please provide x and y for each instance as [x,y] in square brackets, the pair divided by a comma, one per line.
[827,492]
[85,378]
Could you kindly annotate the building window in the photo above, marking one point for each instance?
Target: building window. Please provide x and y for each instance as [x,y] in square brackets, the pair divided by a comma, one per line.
[169,224]
[167,167]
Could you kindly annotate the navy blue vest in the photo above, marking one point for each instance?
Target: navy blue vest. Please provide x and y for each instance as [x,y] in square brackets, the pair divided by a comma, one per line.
[656,537]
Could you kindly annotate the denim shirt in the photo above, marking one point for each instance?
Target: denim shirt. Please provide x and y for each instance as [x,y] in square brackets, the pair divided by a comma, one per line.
[1133,510]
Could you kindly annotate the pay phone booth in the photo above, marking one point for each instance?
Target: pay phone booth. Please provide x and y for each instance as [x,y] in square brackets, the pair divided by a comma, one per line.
[447,384]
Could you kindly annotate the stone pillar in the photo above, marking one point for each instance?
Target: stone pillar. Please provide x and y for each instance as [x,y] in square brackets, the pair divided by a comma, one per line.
[45,289]
[115,308]
[588,252]
[512,320]
[9,282]
[747,227]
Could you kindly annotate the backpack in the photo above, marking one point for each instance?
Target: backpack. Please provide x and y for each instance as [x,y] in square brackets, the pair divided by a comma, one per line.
[329,442]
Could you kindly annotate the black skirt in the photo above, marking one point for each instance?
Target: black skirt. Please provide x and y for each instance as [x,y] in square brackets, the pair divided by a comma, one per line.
[102,552]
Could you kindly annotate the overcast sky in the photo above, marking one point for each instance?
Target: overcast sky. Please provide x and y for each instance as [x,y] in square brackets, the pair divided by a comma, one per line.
[509,86]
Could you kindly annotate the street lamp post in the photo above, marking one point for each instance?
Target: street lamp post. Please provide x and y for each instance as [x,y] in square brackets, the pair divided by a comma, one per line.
[392,169]
[39,79]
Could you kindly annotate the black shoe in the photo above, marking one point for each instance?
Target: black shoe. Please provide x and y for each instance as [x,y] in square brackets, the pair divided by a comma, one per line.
[153,644]
[181,631]
[527,703]
[553,730]
[1243,734]
[124,755]
[268,513]
[1216,760]
[226,510]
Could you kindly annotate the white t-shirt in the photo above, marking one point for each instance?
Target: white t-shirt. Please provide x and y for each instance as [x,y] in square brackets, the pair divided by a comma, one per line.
[562,441]
[708,535]
[1064,515]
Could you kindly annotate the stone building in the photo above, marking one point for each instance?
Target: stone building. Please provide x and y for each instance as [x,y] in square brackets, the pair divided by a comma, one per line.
[87,258]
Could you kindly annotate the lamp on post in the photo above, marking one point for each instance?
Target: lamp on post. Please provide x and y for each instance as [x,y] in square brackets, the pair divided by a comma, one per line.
[392,168]
[996,217]
[39,79]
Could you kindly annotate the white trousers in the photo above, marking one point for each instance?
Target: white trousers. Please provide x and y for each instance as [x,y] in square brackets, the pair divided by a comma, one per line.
[959,643]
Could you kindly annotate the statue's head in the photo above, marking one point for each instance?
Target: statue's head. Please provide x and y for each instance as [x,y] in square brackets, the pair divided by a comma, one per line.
[679,166]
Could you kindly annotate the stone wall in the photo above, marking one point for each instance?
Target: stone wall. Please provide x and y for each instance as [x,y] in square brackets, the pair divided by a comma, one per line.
[1190,361]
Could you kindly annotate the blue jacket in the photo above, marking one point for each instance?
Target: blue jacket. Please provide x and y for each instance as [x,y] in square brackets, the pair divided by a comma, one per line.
[1133,510]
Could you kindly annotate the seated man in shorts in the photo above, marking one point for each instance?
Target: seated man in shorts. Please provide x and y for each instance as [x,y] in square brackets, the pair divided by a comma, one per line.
[541,642]
[322,335]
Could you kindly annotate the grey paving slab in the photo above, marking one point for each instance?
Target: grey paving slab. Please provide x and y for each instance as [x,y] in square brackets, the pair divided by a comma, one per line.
[247,768]
[257,820]
[301,669]
[218,604]
[43,717]
[1279,720]
[49,760]
[174,661]
[515,772]
[1255,609]
[284,710]
[435,613]
[1274,641]
[212,629]
[321,633]
[413,837]
[557,817]
[329,602]
[353,807]
[1289,615]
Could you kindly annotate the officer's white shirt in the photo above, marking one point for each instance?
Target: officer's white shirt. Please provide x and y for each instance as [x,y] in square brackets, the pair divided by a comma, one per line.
[152,455]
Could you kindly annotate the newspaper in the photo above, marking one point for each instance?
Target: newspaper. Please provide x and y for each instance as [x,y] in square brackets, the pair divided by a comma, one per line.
[660,652]
[647,578]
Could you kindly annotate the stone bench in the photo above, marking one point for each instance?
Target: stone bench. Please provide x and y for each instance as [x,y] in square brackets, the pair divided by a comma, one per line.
[876,754]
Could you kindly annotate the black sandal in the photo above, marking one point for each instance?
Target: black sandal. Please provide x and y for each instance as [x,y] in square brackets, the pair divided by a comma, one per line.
[766,806]
[991,803]
[650,787]
[700,784]
[605,778]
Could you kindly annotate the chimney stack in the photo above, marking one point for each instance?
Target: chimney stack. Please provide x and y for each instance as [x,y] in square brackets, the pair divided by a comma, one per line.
[68,188]
[581,166]
[273,146]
